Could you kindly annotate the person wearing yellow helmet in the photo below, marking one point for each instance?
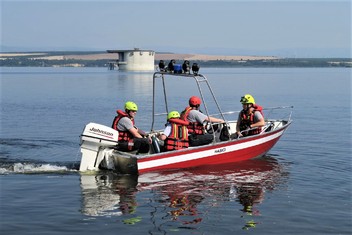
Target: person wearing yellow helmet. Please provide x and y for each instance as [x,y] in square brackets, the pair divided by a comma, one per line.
[131,106]
[251,118]
[130,137]
[175,134]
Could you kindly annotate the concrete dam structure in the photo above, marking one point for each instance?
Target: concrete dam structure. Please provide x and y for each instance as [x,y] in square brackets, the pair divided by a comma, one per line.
[135,60]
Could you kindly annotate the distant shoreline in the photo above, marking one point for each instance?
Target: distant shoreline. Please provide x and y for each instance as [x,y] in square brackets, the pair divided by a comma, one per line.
[112,56]
[102,59]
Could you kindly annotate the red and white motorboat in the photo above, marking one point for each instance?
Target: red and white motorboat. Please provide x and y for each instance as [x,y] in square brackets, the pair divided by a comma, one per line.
[99,143]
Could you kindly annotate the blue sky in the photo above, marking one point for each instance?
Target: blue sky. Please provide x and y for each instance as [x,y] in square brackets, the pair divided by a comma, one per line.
[277,27]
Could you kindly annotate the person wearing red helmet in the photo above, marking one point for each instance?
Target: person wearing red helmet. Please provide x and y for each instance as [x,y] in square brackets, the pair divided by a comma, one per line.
[196,118]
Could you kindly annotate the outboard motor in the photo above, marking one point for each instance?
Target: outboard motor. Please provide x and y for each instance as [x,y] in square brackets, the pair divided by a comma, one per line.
[94,139]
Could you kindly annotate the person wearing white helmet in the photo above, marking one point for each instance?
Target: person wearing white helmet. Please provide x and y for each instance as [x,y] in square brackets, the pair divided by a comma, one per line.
[130,137]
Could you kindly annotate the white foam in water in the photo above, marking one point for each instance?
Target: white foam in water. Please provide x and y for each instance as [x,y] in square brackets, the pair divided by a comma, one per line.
[3,171]
[26,168]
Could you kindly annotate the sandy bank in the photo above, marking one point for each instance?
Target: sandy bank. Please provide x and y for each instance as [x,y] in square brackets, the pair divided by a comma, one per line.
[112,56]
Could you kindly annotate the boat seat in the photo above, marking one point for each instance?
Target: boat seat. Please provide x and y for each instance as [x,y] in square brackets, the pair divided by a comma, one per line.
[155,146]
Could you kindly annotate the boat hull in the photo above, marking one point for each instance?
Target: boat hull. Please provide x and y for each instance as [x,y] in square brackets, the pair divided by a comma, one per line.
[220,153]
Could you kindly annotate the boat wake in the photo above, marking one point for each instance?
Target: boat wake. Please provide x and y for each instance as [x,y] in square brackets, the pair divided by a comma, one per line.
[31,167]
[12,159]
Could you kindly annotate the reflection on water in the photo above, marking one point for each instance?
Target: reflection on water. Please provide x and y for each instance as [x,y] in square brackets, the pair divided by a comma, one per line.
[180,193]
[108,194]
[141,82]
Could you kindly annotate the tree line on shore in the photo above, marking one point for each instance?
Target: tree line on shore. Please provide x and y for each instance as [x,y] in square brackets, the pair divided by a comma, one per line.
[25,61]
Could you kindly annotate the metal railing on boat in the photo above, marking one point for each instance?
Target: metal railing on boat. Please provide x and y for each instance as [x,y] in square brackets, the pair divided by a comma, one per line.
[199,78]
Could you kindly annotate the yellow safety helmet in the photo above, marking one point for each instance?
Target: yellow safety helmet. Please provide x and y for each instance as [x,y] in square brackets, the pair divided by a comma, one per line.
[247,99]
[173,114]
[131,106]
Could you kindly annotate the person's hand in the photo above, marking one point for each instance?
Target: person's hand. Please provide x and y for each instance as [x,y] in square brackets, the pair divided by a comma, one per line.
[149,139]
[239,134]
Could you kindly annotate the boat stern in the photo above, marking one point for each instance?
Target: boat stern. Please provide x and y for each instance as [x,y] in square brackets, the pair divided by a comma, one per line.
[125,165]
[95,140]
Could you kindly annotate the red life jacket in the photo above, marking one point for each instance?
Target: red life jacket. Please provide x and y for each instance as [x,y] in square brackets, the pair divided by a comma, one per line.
[193,127]
[247,120]
[123,135]
[178,138]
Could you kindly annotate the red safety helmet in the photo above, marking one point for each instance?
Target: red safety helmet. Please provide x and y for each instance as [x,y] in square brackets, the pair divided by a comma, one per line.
[194,101]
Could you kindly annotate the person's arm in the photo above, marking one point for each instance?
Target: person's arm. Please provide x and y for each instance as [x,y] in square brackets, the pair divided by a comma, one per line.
[260,120]
[126,124]
[201,118]
[135,133]
[212,119]
[258,124]
[166,133]
[238,131]
[162,137]
[141,132]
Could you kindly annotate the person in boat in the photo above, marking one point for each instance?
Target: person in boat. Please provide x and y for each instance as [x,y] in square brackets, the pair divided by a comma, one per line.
[130,137]
[196,120]
[250,118]
[175,134]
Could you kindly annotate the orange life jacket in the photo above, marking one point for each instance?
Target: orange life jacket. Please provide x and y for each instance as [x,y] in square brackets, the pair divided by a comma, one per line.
[123,135]
[193,127]
[178,138]
[247,120]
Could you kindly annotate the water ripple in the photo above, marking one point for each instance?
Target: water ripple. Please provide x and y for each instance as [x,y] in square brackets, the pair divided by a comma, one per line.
[33,143]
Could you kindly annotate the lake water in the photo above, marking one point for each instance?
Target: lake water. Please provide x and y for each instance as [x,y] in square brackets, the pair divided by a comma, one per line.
[303,186]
